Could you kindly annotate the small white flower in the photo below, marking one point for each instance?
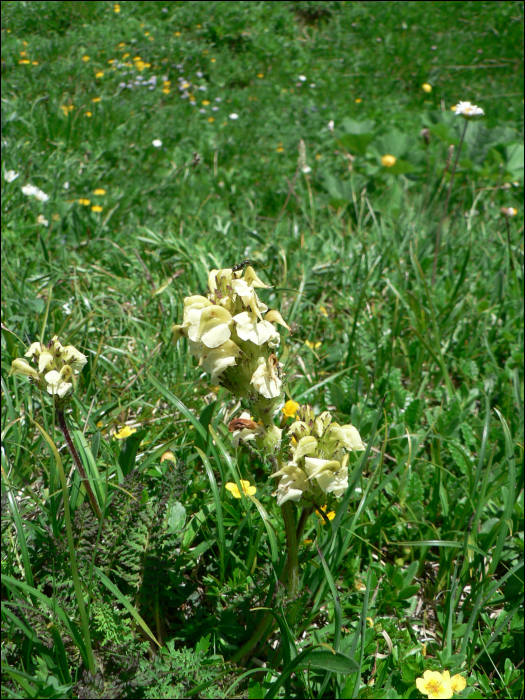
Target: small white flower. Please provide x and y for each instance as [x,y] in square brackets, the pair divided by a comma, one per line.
[29,190]
[312,85]
[157,143]
[66,185]
[306,169]
[41,196]
[218,99]
[302,78]
[214,109]
[467,110]
[331,126]
[42,220]
[10,176]
[234,116]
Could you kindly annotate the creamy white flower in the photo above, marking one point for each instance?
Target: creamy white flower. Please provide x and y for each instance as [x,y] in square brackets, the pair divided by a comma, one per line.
[23,368]
[302,78]
[214,326]
[157,143]
[249,298]
[35,349]
[292,485]
[57,383]
[331,475]
[265,378]
[348,436]
[45,361]
[331,126]
[193,308]
[215,361]
[248,328]
[306,446]
[66,185]
[306,169]
[322,422]
[74,358]
[234,116]
[466,109]
[42,220]
[10,176]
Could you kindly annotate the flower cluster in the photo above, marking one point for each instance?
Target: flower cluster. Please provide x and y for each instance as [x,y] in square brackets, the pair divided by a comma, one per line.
[440,685]
[232,341]
[319,458]
[57,365]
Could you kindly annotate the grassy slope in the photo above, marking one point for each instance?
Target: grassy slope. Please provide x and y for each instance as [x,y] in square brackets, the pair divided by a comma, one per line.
[444,358]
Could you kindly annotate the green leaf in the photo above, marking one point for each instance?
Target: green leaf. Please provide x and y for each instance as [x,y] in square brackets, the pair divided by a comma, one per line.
[129,451]
[357,143]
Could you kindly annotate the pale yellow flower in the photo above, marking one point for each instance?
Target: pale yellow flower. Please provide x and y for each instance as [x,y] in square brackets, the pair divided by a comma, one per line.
[96,99]
[85,59]
[388,161]
[290,409]
[246,488]
[435,685]
[99,74]
[358,100]
[116,8]
[313,346]
[457,682]
[125,432]
[24,61]
[426,87]
[84,202]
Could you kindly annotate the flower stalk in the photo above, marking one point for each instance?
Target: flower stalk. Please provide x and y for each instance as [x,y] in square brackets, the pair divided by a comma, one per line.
[78,462]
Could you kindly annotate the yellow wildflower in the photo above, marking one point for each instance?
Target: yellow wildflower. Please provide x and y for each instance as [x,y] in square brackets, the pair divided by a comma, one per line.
[166,90]
[89,114]
[116,8]
[323,310]
[99,74]
[358,100]
[96,99]
[279,149]
[260,75]
[435,685]
[213,60]
[84,202]
[97,208]
[426,87]
[24,61]
[245,485]
[312,345]
[290,409]
[23,53]
[99,191]
[177,33]
[85,59]
[388,161]
[34,63]
[330,515]
[211,119]
[457,682]
[168,456]
[205,103]
[124,432]
[126,55]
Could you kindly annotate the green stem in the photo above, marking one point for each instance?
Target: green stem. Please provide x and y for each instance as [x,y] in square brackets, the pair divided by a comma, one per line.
[78,463]
[290,576]
[445,210]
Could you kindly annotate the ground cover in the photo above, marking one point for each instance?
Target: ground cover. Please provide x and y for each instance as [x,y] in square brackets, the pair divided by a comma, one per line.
[163,140]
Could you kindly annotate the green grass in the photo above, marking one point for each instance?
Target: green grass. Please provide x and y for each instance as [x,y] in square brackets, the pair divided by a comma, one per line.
[423,568]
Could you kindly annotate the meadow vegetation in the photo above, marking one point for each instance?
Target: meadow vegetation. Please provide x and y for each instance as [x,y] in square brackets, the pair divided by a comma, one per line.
[147,143]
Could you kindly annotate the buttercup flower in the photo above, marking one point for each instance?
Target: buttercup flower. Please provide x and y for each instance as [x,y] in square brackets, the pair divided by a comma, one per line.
[468,110]
[124,432]
[457,682]
[388,161]
[290,409]
[435,685]
[245,485]
[426,87]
